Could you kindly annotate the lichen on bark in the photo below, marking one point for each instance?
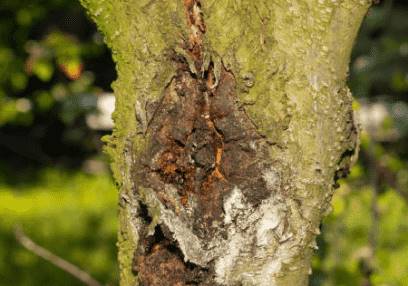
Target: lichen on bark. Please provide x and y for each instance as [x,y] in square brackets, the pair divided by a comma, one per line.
[233,124]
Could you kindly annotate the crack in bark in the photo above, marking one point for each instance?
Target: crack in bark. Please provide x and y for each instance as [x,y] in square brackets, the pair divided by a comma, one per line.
[197,30]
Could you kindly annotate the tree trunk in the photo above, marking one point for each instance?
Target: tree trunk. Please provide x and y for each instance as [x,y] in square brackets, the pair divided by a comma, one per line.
[233,124]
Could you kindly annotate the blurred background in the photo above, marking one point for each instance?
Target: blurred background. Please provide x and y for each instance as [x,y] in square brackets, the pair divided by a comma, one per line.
[55,101]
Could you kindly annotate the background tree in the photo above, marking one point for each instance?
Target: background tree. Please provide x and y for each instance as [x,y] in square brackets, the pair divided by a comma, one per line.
[233,124]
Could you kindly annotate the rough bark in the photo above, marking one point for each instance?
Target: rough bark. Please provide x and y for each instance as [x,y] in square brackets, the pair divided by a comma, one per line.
[233,124]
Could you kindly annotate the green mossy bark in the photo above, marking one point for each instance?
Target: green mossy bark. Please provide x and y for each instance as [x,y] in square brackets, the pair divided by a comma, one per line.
[290,59]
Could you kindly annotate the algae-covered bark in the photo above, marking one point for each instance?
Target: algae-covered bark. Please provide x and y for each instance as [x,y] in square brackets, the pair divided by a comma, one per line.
[233,124]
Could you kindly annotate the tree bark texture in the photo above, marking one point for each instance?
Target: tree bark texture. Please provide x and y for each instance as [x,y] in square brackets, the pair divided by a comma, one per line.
[233,125]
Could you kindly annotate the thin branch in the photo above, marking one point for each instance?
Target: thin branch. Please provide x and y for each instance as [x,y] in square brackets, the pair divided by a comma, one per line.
[57,261]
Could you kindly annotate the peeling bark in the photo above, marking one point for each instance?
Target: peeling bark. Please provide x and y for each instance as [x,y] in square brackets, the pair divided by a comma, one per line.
[233,125]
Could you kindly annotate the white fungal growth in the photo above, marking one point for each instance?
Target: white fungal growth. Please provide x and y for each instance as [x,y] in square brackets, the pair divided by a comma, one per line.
[271,178]
[270,221]
[254,235]
[233,204]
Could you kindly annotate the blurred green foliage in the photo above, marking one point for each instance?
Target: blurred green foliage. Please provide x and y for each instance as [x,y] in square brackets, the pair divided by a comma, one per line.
[53,65]
[70,213]
[344,245]
[50,56]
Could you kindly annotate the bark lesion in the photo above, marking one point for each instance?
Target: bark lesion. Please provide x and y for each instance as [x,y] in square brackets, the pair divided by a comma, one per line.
[201,140]
[195,22]
[201,145]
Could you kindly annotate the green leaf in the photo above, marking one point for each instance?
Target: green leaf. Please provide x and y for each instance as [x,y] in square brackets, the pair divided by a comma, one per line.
[43,70]
[18,81]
